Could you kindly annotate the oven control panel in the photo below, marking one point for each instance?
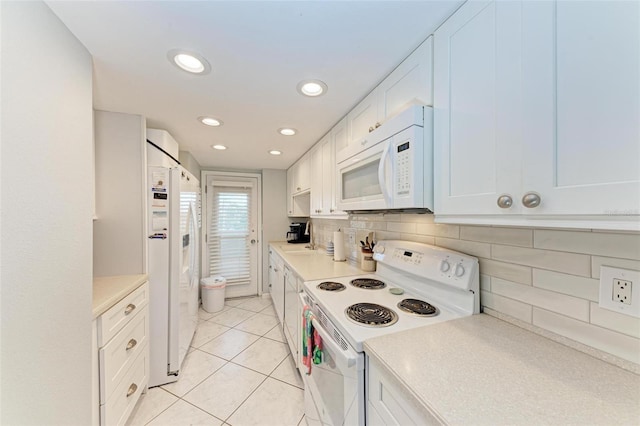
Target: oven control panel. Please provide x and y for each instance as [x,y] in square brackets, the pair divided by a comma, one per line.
[436,263]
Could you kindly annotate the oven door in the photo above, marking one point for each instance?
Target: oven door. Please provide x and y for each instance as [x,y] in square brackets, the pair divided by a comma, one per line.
[336,385]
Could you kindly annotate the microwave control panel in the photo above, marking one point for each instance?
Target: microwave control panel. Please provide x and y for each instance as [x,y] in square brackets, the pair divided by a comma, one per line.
[403,168]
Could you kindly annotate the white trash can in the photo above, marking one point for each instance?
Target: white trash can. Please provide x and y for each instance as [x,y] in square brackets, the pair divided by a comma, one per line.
[213,293]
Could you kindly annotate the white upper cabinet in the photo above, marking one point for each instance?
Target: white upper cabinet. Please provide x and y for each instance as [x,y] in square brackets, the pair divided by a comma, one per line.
[323,172]
[301,178]
[363,118]
[408,84]
[536,108]
[584,152]
[317,184]
[298,185]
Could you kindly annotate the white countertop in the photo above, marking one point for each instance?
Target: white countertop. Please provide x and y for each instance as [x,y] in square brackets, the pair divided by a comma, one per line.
[314,264]
[480,370]
[107,291]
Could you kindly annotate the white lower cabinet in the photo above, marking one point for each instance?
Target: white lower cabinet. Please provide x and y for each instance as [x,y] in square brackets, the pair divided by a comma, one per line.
[276,283]
[388,403]
[122,354]
[292,315]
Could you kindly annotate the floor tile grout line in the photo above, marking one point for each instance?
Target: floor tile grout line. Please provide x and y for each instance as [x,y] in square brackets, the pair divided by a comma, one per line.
[248,396]
[230,361]
[204,411]
[213,338]
[169,406]
[200,382]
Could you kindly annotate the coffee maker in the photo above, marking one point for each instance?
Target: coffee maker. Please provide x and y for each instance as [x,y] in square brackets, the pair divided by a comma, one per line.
[296,234]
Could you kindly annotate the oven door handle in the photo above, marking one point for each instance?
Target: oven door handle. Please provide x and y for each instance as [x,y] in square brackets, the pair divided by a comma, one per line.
[344,358]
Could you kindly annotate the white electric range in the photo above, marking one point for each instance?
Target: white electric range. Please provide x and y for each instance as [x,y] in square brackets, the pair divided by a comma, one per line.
[415,285]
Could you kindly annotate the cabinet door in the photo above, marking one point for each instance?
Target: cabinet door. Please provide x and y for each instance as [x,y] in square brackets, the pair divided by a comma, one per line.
[338,141]
[583,156]
[291,312]
[362,117]
[328,167]
[340,136]
[303,174]
[477,108]
[290,191]
[317,171]
[276,280]
[408,84]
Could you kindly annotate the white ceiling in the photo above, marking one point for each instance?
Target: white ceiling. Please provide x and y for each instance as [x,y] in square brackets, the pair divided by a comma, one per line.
[259,51]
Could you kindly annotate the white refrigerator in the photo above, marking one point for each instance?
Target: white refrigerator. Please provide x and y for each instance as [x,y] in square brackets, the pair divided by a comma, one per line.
[173,248]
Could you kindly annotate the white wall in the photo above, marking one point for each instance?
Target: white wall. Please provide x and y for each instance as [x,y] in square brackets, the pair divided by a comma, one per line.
[545,280]
[46,178]
[275,222]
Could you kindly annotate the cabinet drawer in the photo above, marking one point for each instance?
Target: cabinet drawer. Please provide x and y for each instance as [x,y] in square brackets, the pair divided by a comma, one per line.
[121,313]
[118,408]
[117,356]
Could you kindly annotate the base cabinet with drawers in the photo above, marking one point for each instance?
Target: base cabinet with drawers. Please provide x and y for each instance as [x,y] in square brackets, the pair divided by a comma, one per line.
[121,336]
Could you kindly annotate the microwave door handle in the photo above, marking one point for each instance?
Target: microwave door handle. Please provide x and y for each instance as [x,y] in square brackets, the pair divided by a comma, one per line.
[382,175]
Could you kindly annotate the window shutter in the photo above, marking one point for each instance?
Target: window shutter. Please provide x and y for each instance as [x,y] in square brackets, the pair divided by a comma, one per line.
[229,254]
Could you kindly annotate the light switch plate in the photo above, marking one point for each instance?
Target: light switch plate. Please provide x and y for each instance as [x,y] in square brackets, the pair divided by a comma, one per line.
[610,279]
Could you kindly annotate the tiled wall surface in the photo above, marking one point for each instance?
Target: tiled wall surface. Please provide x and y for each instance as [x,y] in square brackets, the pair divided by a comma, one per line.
[542,277]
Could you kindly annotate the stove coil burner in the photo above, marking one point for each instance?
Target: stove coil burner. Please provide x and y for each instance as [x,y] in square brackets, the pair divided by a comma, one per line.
[368,283]
[371,315]
[418,307]
[331,286]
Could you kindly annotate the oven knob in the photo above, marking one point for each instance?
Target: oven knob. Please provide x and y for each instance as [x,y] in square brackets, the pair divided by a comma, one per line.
[378,249]
[444,266]
[459,270]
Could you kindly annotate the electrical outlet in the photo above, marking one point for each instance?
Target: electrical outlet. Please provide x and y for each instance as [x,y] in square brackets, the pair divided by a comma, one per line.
[618,292]
[621,291]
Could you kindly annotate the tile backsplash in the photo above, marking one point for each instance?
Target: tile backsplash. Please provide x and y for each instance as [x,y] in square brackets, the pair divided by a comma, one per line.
[543,279]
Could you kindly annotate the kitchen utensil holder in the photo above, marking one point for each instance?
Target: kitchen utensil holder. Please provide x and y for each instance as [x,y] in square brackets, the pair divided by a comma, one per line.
[367,263]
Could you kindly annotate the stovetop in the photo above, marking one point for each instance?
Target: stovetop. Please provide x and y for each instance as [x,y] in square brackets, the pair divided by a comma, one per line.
[334,304]
[420,278]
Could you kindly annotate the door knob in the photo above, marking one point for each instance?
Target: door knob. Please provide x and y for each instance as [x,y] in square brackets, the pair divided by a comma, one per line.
[531,200]
[505,201]
[253,241]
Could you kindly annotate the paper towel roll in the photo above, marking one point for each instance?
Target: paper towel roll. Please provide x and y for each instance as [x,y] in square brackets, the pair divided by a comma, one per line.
[338,246]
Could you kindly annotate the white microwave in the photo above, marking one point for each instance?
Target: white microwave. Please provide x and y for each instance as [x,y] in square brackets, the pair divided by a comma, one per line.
[394,169]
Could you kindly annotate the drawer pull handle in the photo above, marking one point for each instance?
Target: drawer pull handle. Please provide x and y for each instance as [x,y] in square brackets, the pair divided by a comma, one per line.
[132,344]
[129,309]
[132,389]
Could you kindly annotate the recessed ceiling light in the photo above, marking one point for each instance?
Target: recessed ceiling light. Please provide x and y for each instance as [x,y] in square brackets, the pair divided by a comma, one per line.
[286,131]
[275,152]
[189,61]
[312,88]
[210,121]
[219,147]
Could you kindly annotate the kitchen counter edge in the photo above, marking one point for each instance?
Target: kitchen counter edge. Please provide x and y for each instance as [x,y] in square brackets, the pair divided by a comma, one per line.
[324,267]
[107,291]
[497,373]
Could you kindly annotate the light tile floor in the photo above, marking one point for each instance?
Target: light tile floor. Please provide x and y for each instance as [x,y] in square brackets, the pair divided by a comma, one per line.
[238,372]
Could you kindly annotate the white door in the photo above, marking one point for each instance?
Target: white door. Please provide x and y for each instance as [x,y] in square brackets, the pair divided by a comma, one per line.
[232,231]
[477,118]
[189,260]
[583,155]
